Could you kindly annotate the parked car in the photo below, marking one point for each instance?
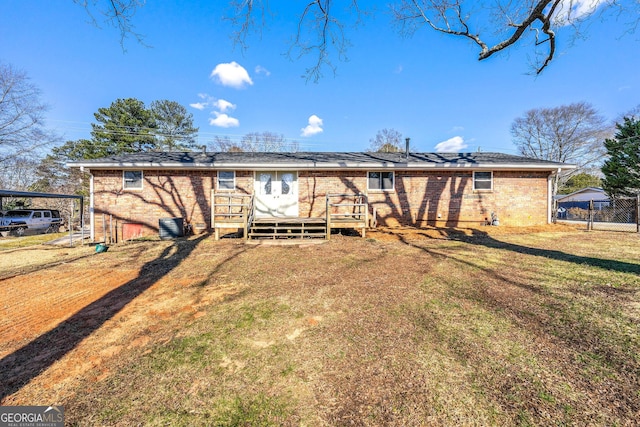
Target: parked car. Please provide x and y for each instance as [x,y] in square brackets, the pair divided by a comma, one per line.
[18,221]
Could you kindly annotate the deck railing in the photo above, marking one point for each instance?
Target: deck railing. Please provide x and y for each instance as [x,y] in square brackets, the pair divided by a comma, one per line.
[231,211]
[347,211]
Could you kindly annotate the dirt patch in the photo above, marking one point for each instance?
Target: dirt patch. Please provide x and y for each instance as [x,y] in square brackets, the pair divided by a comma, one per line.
[75,315]
[35,303]
[490,326]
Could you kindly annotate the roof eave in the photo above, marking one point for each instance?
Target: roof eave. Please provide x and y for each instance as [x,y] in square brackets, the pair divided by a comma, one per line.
[321,166]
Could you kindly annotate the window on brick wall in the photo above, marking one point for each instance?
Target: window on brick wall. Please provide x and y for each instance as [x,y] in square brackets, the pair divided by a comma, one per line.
[226,180]
[382,181]
[132,180]
[483,180]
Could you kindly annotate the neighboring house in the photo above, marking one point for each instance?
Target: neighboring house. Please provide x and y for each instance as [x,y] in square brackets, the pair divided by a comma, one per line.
[582,198]
[584,195]
[419,189]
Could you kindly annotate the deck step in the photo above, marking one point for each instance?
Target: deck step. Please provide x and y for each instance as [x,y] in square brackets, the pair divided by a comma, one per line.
[311,228]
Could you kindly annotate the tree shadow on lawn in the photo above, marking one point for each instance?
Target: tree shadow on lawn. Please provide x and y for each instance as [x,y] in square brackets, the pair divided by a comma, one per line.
[482,238]
[479,237]
[594,346]
[26,363]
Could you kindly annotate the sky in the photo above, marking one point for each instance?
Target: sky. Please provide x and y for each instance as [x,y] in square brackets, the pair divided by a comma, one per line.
[429,87]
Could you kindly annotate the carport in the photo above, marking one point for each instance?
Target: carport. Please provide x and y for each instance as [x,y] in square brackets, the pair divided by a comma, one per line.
[35,195]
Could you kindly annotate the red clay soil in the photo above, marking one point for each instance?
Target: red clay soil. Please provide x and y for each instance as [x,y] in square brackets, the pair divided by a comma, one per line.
[76,315]
[62,321]
[37,302]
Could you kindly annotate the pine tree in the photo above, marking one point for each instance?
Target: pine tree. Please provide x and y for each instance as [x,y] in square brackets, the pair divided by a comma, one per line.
[126,126]
[622,169]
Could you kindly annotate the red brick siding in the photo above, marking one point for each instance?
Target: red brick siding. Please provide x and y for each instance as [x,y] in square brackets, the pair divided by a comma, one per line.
[164,194]
[419,198]
[435,198]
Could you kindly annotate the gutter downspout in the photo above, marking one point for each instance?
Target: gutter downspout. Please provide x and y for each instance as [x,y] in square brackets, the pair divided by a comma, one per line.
[550,199]
[91,210]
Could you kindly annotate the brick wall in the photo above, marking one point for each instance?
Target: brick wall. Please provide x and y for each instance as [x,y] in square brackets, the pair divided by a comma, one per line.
[435,198]
[164,194]
[419,198]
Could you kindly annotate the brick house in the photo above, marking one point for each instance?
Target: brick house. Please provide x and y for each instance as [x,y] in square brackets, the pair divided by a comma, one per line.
[418,189]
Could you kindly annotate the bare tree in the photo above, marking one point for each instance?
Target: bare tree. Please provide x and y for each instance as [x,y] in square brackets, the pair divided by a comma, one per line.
[20,176]
[491,25]
[319,32]
[225,144]
[502,23]
[115,13]
[268,142]
[386,141]
[571,133]
[22,129]
[256,142]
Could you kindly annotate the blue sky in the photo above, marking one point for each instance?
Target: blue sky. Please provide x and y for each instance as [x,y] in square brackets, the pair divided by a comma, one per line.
[429,87]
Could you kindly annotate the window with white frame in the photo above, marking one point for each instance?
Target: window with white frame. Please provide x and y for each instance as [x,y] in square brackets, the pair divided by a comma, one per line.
[483,180]
[132,180]
[381,181]
[226,180]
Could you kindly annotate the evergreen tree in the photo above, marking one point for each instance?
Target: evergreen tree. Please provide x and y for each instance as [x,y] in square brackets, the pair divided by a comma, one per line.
[578,182]
[622,169]
[173,126]
[124,127]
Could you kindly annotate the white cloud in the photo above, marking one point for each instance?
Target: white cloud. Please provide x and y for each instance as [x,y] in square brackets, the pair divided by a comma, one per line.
[223,105]
[451,145]
[224,121]
[231,74]
[261,70]
[398,69]
[570,11]
[314,126]
[198,105]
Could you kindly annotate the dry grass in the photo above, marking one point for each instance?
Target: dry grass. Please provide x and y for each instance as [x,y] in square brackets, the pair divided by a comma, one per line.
[406,327]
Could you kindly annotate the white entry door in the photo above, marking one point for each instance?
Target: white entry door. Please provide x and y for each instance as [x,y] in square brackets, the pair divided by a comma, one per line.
[276,194]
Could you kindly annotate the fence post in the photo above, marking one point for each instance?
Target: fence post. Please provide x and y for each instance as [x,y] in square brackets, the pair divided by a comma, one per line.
[638,213]
[590,217]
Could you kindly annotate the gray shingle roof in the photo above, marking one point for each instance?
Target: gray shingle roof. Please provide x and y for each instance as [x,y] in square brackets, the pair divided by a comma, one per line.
[317,160]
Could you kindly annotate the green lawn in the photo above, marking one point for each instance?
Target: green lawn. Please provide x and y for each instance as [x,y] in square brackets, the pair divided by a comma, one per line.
[466,329]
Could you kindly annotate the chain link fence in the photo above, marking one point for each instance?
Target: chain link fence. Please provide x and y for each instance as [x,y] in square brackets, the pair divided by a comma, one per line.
[621,214]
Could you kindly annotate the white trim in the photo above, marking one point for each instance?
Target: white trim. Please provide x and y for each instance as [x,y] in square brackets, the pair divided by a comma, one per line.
[233,180]
[124,180]
[382,190]
[91,209]
[490,181]
[323,166]
[261,204]
[550,198]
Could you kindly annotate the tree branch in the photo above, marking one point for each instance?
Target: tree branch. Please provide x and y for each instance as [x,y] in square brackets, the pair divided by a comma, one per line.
[448,17]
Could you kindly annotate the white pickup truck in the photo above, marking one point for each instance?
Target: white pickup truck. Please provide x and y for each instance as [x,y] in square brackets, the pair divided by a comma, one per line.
[18,221]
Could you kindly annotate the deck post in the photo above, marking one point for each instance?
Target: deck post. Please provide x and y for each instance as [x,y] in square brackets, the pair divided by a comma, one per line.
[365,201]
[245,223]
[213,214]
[328,219]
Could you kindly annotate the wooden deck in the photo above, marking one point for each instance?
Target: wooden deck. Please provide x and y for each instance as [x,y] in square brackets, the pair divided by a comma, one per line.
[287,228]
[236,211]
